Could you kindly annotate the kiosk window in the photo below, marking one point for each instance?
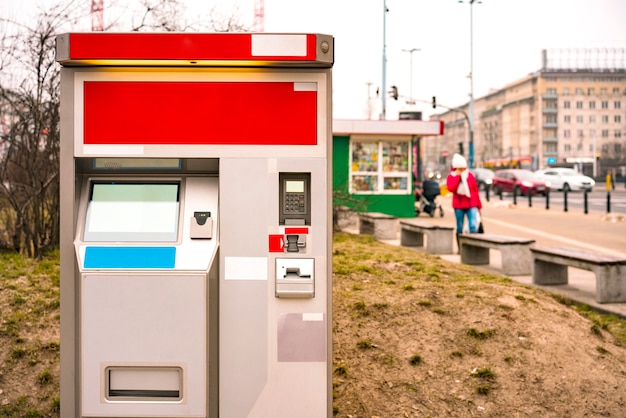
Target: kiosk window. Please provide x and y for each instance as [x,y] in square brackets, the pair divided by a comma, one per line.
[132,212]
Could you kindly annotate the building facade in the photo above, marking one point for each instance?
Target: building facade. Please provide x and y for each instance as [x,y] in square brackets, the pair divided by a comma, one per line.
[571,112]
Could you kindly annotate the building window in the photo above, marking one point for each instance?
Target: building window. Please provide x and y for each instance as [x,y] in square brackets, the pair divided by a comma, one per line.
[566,91]
[592,118]
[592,133]
[550,118]
[618,133]
[618,148]
[567,133]
[551,92]
[550,104]
[550,147]
[605,148]
[580,119]
[590,147]
[579,133]
[617,119]
[566,104]
[605,133]
[579,91]
[617,104]
[590,91]
[605,104]
[592,105]
[603,91]
[369,173]
[616,91]
[579,105]
[579,147]
[567,147]
[567,118]
[605,118]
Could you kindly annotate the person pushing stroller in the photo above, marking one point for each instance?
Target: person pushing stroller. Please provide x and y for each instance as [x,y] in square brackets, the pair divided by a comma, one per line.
[429,193]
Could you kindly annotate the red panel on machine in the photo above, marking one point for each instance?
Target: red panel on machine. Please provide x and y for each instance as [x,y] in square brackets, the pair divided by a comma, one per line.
[167,46]
[247,113]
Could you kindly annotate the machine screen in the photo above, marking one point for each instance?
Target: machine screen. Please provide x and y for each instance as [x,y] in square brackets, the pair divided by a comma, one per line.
[294,186]
[128,212]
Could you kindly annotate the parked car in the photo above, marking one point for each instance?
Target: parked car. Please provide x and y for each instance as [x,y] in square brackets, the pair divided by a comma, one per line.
[566,179]
[520,181]
[484,177]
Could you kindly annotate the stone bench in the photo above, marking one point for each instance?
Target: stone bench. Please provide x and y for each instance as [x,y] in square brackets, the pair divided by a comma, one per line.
[380,225]
[550,268]
[438,238]
[516,259]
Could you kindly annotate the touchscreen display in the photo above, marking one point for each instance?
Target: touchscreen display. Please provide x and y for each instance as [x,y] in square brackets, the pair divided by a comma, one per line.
[127,212]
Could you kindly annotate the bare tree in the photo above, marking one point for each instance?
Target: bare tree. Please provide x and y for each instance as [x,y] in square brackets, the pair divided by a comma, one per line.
[29,159]
[29,108]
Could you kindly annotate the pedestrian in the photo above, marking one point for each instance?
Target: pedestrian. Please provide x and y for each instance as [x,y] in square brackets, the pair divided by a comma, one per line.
[465,197]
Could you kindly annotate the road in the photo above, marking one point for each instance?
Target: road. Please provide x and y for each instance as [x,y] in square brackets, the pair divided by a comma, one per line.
[596,230]
[597,200]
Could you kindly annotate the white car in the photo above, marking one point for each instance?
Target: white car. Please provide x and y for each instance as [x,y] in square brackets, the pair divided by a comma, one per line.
[566,179]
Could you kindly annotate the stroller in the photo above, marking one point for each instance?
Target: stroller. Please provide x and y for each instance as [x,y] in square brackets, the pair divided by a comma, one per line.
[426,199]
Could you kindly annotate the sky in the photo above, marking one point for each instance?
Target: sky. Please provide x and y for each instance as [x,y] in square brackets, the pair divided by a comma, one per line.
[507,39]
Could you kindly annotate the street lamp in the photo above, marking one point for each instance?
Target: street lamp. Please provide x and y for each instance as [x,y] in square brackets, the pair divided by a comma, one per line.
[471,77]
[411,51]
[384,89]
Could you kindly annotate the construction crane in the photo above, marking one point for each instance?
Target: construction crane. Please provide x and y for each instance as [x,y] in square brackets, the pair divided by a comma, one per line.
[259,15]
[97,15]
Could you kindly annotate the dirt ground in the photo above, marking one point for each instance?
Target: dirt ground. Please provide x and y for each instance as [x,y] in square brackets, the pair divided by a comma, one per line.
[416,336]
[413,336]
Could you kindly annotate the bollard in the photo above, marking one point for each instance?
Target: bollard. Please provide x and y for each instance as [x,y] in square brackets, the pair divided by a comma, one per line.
[608,202]
[585,201]
[487,193]
[548,199]
[515,196]
[565,200]
[530,199]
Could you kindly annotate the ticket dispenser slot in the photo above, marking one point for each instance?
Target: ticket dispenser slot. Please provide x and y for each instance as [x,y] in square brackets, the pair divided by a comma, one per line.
[295,199]
[295,278]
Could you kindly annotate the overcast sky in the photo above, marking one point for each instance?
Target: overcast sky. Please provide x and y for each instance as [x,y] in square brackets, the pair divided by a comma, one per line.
[508,37]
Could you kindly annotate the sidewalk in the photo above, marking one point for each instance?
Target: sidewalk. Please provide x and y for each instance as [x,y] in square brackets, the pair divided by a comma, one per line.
[594,231]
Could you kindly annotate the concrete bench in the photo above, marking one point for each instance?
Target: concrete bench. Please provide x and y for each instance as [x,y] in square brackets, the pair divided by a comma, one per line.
[550,268]
[380,225]
[438,238]
[516,259]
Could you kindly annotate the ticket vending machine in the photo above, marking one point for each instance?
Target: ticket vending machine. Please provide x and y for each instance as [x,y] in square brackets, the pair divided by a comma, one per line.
[196,225]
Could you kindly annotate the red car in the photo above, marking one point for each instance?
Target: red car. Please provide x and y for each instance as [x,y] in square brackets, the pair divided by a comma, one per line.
[519,181]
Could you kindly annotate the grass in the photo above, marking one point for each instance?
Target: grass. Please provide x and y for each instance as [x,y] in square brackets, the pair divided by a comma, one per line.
[29,308]
[30,302]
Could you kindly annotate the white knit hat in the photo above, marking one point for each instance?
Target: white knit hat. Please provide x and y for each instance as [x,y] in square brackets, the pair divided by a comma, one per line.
[458,161]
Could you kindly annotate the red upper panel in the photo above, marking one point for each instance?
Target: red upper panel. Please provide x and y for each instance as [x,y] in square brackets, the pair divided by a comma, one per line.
[186,46]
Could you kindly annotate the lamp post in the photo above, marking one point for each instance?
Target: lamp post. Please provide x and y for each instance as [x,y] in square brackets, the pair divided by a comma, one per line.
[471,77]
[411,51]
[383,114]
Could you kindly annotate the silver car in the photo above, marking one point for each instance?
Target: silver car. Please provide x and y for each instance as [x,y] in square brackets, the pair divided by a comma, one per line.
[566,179]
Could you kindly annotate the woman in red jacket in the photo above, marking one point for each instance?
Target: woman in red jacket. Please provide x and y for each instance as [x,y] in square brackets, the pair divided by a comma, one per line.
[465,198]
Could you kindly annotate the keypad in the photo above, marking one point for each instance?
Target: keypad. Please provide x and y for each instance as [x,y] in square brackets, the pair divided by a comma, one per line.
[294,203]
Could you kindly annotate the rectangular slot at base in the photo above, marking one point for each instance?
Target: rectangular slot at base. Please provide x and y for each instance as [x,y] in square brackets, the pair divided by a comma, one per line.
[128,383]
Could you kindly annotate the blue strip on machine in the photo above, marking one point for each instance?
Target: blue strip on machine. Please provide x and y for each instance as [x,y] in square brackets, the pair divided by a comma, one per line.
[130,257]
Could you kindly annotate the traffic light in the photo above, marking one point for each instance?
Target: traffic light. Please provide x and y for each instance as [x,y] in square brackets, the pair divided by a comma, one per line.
[434,102]
[394,92]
